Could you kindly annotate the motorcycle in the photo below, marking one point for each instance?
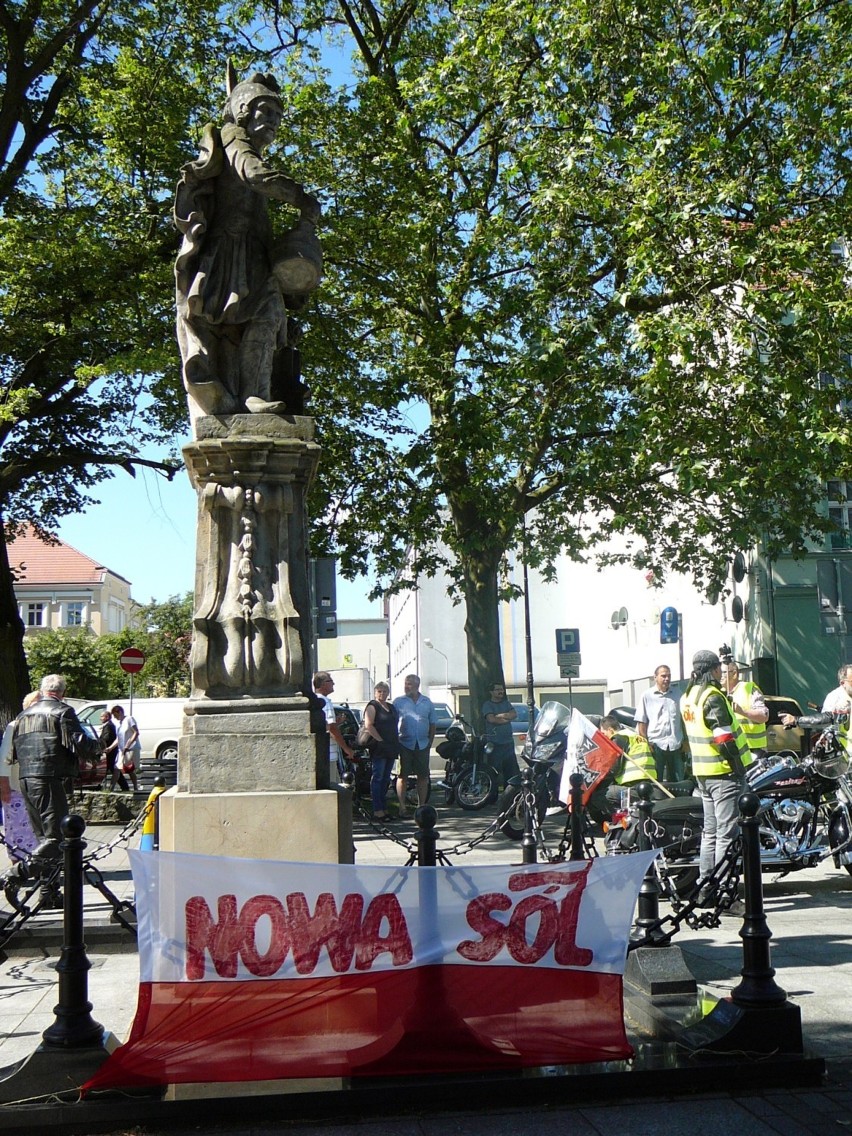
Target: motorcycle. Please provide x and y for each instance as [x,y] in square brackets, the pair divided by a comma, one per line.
[469,778]
[805,813]
[544,752]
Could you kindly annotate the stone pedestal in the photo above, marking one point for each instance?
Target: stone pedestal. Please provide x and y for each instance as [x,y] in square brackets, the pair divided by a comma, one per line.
[253,759]
[251,626]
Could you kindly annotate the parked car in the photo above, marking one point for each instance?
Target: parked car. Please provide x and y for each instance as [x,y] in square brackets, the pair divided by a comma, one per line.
[521,724]
[445,718]
[779,737]
[91,774]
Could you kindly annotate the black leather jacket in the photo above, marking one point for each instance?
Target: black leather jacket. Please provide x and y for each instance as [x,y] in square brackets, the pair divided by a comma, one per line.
[49,740]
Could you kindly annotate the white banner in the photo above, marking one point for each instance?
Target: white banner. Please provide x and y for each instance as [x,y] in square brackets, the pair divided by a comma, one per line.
[215,918]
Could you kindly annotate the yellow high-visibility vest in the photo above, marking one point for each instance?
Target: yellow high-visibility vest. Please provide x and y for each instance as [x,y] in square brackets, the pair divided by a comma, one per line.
[706,759]
[639,749]
[755,732]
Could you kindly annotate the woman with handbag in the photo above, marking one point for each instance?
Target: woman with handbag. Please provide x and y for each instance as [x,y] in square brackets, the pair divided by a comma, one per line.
[381,722]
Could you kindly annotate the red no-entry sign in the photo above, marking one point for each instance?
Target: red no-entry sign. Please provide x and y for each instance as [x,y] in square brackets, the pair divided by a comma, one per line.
[131,660]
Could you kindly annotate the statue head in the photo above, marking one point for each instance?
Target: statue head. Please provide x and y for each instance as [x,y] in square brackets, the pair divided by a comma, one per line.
[242,96]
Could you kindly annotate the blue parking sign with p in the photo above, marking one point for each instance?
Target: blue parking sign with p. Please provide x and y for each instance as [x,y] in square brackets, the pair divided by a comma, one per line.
[567,640]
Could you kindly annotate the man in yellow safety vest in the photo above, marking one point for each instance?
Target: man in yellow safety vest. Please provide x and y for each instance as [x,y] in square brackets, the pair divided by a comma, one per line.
[720,756]
[748,704]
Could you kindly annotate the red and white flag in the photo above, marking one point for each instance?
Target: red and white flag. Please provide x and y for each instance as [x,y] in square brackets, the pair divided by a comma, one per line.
[257,970]
[590,753]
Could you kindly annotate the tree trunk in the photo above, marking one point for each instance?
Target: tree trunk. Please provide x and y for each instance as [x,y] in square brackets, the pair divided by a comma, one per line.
[482,628]
[13,661]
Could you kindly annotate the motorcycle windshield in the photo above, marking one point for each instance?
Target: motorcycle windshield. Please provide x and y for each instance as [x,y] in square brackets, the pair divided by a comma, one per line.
[552,718]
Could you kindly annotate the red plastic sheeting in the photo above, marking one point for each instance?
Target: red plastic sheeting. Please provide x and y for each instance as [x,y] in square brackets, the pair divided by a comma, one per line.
[437,1019]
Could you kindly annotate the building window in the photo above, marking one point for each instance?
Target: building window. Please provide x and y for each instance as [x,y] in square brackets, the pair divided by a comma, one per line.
[115,617]
[74,613]
[34,615]
[840,512]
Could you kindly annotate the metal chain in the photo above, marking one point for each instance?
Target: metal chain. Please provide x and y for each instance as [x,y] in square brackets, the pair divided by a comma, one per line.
[93,876]
[123,837]
[722,884]
[21,911]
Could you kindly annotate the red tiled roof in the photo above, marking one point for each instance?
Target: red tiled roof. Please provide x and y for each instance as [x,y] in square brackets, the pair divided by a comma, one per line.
[34,562]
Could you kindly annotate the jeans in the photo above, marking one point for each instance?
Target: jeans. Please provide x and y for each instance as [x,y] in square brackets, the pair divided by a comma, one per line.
[669,763]
[502,758]
[379,781]
[719,796]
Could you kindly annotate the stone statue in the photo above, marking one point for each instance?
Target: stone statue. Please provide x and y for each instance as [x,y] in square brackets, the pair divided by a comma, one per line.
[234,282]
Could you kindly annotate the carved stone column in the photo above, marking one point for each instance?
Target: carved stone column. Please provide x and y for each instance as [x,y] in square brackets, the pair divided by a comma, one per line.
[248,755]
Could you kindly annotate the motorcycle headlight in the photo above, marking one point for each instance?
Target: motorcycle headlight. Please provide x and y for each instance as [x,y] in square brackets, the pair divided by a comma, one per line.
[547,751]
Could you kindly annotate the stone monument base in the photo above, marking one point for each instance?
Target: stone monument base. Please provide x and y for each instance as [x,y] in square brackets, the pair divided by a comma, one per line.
[311,826]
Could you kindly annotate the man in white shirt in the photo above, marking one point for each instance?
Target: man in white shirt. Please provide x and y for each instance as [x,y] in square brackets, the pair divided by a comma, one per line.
[323,687]
[129,750]
[837,701]
[658,721]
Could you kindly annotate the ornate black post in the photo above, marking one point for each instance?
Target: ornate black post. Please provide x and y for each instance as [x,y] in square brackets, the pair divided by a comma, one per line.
[578,852]
[427,836]
[74,1025]
[758,987]
[648,905]
[530,852]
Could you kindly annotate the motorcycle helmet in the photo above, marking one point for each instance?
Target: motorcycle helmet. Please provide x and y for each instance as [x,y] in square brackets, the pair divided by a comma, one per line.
[455,734]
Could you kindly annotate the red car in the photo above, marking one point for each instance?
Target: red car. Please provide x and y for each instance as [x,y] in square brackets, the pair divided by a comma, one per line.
[91,773]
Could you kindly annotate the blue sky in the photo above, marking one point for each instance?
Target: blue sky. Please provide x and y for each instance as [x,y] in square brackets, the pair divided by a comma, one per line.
[144,529]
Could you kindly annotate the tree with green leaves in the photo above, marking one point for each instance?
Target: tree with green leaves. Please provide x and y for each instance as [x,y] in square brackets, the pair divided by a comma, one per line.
[164,632]
[90,665]
[584,280]
[100,106]
[78,655]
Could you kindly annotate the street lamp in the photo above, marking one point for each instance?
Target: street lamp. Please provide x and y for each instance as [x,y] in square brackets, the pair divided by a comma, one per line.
[429,643]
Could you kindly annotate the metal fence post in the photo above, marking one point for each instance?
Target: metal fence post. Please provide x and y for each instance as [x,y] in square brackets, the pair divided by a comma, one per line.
[530,852]
[578,852]
[648,903]
[426,818]
[74,1025]
[758,987]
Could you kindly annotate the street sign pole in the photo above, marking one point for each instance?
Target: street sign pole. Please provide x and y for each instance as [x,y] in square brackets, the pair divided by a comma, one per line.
[528,634]
[680,642]
[131,660]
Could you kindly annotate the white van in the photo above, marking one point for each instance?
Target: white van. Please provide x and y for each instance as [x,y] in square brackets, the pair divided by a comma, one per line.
[160,722]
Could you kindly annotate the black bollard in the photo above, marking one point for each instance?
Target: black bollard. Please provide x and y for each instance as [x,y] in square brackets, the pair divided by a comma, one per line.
[648,904]
[757,1018]
[578,852]
[427,836]
[530,852]
[74,1026]
[758,987]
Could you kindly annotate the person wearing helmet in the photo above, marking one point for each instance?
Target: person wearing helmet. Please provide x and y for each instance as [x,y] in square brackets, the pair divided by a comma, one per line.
[720,756]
